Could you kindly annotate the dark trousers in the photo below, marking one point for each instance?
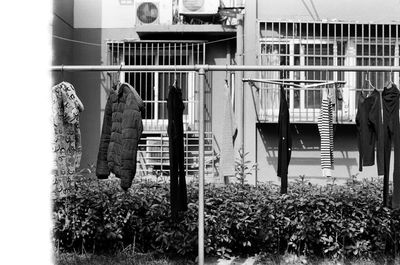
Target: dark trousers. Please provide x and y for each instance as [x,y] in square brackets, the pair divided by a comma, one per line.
[178,194]
[391,134]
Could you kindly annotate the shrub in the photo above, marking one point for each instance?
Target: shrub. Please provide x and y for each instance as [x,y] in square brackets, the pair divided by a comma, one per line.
[332,221]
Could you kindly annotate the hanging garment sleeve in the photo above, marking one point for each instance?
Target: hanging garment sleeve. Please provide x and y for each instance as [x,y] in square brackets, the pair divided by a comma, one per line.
[380,136]
[360,120]
[227,160]
[102,170]
[71,103]
[396,142]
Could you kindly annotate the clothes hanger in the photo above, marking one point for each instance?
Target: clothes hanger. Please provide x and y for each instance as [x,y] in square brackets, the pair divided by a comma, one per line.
[390,82]
[117,83]
[369,83]
[174,84]
[226,74]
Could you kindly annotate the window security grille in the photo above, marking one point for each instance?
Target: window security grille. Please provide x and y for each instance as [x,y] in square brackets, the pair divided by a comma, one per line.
[153,157]
[319,44]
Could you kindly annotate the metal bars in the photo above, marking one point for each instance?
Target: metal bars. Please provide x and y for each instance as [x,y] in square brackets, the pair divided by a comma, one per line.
[327,45]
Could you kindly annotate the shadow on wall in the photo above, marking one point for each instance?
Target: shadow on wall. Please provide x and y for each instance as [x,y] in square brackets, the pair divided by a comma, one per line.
[89,86]
[306,148]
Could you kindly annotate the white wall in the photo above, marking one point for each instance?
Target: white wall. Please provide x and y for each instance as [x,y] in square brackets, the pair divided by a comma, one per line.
[115,15]
[87,13]
[103,14]
[111,14]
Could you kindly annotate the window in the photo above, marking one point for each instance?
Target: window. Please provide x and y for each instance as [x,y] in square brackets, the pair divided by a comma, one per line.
[153,86]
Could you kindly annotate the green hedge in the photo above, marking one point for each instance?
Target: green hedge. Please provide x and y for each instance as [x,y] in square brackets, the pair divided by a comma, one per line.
[320,221]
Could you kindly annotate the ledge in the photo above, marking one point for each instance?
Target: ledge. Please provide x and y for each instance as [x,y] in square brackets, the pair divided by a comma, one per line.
[204,30]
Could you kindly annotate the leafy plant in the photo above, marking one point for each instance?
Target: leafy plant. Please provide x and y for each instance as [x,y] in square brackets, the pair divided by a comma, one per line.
[332,221]
[243,167]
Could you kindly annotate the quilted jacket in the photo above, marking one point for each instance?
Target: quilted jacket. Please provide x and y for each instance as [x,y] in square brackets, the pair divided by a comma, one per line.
[122,129]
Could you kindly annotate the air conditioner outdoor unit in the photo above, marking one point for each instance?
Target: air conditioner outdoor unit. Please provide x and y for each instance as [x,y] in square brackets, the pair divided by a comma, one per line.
[198,7]
[150,12]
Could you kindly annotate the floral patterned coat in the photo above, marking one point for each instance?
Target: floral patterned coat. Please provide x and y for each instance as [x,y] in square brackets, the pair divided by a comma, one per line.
[66,108]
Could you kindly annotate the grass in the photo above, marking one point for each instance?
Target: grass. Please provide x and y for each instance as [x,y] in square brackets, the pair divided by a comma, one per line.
[152,259]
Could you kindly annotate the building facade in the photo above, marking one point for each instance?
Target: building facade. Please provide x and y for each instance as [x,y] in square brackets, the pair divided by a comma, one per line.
[179,32]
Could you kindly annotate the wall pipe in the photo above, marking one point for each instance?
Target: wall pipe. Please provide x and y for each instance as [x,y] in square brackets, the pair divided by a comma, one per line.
[206,67]
[202,70]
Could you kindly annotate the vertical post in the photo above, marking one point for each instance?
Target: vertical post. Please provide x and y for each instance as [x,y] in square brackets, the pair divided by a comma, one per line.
[239,83]
[201,166]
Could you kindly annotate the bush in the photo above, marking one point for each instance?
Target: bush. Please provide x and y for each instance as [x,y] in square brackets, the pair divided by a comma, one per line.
[332,221]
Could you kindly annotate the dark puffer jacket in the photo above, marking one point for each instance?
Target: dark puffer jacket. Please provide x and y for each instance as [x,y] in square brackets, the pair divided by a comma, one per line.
[122,129]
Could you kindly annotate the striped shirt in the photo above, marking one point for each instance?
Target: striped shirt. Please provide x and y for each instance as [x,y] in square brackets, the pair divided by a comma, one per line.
[325,127]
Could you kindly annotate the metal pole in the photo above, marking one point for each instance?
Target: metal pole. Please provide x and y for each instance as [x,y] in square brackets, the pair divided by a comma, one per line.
[206,67]
[201,166]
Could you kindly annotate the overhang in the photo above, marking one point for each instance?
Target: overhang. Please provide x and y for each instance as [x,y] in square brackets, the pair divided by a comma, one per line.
[185,31]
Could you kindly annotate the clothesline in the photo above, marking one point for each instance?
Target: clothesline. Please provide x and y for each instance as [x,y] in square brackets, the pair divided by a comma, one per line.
[289,82]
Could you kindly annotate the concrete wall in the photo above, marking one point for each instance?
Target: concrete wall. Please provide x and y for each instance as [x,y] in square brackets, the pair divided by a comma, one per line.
[62,26]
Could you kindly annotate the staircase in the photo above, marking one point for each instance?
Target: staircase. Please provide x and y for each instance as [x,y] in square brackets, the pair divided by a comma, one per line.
[153,154]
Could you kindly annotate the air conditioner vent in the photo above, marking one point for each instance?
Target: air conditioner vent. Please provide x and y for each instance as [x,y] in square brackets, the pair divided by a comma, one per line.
[153,12]
[147,12]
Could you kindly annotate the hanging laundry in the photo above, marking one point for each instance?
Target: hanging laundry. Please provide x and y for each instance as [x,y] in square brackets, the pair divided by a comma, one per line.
[227,161]
[362,126]
[391,133]
[325,127]
[178,196]
[121,132]
[66,108]
[285,141]
[369,129]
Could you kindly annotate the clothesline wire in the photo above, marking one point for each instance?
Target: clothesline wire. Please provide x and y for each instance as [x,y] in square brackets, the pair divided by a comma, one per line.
[77,41]
[308,10]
